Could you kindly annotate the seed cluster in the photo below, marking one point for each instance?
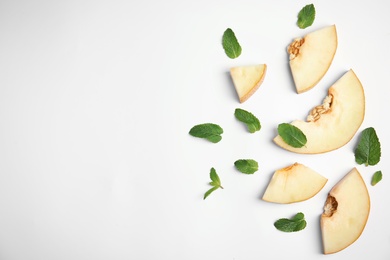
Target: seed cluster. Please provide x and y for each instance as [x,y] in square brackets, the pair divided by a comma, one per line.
[316,112]
[293,48]
[331,205]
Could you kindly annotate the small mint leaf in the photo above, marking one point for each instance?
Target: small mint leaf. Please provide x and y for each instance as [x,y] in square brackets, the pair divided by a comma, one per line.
[368,150]
[230,44]
[292,135]
[377,177]
[247,166]
[298,216]
[209,131]
[251,121]
[295,224]
[214,177]
[306,16]
[300,225]
[209,192]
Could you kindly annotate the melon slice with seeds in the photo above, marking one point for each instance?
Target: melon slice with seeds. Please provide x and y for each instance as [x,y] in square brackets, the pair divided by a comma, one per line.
[311,57]
[332,124]
[346,212]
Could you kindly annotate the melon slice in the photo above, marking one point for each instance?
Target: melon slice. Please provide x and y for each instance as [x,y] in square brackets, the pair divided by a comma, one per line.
[293,184]
[311,57]
[345,214]
[247,79]
[332,124]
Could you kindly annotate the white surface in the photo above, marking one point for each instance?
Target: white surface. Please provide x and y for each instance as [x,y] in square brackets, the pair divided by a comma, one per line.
[96,101]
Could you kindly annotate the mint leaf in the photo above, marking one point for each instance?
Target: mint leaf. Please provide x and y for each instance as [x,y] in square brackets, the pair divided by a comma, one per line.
[377,177]
[251,121]
[209,192]
[294,224]
[214,177]
[306,16]
[247,166]
[230,44]
[292,135]
[368,150]
[299,216]
[300,225]
[209,131]
[215,182]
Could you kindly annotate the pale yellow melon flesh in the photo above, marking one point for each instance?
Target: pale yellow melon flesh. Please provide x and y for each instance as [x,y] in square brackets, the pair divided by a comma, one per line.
[334,123]
[293,184]
[247,79]
[311,57]
[345,214]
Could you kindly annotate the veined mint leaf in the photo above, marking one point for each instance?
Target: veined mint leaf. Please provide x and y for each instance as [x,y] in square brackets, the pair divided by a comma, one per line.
[209,131]
[230,44]
[368,150]
[377,177]
[306,16]
[251,121]
[247,166]
[215,182]
[292,135]
[294,224]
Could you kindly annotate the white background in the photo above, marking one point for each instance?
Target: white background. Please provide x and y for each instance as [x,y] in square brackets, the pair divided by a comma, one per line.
[96,101]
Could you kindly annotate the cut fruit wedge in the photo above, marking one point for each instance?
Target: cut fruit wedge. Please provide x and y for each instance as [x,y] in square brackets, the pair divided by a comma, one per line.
[247,79]
[311,57]
[345,214]
[333,124]
[293,184]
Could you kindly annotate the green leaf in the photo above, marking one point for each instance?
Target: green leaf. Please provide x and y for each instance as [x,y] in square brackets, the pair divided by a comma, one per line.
[294,224]
[292,135]
[215,178]
[377,177]
[210,191]
[247,166]
[209,131]
[230,44]
[251,121]
[299,216]
[368,150]
[300,225]
[215,182]
[306,16]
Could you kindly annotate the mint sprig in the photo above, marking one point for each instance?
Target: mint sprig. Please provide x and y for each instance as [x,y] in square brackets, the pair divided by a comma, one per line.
[292,135]
[368,150]
[215,182]
[294,224]
[209,131]
[247,166]
[230,44]
[306,16]
[250,120]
